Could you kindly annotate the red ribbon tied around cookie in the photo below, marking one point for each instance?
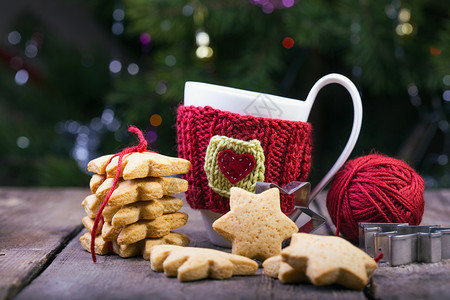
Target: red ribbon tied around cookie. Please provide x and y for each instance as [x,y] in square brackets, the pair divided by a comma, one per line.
[235,167]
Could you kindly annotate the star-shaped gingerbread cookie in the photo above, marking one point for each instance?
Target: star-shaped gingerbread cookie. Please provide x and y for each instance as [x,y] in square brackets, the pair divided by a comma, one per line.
[255,224]
[327,260]
[140,165]
[149,188]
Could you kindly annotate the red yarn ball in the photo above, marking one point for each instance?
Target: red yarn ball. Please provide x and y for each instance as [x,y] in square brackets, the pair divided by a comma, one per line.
[375,188]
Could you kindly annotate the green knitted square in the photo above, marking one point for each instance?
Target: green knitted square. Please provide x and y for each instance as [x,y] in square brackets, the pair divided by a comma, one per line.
[218,182]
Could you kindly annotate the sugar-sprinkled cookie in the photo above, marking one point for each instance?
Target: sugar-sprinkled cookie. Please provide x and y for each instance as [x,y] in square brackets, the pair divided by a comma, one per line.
[255,224]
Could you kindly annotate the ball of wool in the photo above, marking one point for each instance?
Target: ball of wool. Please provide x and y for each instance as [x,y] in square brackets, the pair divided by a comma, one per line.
[375,188]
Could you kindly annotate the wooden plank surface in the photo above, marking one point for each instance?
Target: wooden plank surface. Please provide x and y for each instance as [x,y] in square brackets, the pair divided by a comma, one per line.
[437,208]
[413,281]
[34,225]
[73,275]
[55,216]
[419,280]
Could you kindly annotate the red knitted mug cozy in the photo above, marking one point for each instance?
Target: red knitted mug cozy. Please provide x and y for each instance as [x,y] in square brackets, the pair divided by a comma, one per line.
[286,145]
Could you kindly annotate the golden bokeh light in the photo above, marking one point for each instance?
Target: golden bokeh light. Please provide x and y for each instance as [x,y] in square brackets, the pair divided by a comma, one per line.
[155,120]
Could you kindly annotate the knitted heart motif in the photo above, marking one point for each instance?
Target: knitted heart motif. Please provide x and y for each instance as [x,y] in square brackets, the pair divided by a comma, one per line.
[235,167]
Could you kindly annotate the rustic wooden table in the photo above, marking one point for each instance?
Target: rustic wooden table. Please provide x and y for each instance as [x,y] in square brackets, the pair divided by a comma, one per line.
[41,258]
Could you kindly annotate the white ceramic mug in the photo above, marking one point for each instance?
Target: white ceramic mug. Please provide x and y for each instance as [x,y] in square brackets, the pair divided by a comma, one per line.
[264,105]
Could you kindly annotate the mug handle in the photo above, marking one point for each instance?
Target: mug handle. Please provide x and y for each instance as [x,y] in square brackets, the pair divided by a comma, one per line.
[357,121]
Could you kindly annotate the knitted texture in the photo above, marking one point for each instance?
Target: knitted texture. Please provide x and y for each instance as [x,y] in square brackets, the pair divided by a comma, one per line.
[375,188]
[286,144]
[224,170]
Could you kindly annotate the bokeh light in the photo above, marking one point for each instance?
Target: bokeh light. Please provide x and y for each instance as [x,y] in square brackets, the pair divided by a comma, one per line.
[96,124]
[391,11]
[133,69]
[288,3]
[21,77]
[288,42]
[443,125]
[118,14]
[404,29]
[23,142]
[413,90]
[268,7]
[446,95]
[80,153]
[435,51]
[14,37]
[446,80]
[202,38]
[151,136]
[170,60]
[161,88]
[117,28]
[404,15]
[204,52]
[188,10]
[155,120]
[145,38]
[442,159]
[115,66]
[165,25]
[31,50]
[355,27]
[107,116]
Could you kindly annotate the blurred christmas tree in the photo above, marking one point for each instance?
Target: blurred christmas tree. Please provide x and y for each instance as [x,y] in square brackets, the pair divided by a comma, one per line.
[53,82]
[396,52]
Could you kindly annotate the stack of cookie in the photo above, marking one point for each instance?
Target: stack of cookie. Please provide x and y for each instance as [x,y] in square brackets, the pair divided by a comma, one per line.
[140,212]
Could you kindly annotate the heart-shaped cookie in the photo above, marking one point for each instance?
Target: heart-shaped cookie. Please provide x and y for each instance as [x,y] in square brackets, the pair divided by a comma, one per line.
[235,167]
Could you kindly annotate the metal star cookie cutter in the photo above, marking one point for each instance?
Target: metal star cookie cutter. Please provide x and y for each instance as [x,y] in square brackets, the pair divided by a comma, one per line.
[301,191]
[402,244]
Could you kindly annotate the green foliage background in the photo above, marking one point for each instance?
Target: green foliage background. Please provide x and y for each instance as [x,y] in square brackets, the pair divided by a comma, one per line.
[400,81]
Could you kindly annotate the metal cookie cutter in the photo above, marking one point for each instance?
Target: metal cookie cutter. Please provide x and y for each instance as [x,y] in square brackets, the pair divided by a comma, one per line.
[301,191]
[403,244]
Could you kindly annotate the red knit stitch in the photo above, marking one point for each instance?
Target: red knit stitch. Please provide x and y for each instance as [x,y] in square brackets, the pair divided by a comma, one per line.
[286,144]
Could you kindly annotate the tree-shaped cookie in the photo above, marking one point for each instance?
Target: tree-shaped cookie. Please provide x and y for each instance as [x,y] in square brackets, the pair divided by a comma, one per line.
[190,263]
